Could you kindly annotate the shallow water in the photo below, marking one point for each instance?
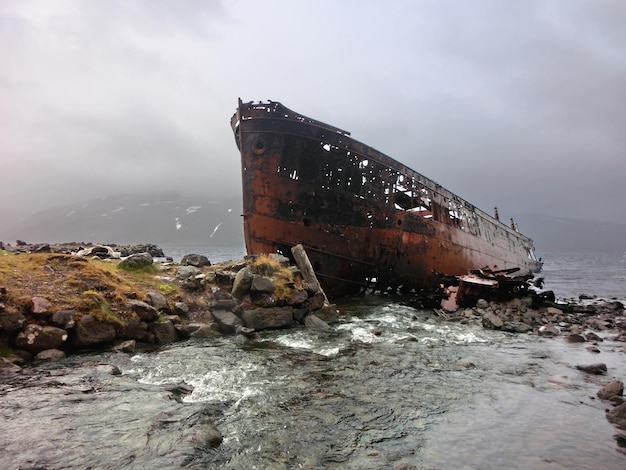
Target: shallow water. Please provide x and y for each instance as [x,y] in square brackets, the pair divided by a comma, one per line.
[387,386]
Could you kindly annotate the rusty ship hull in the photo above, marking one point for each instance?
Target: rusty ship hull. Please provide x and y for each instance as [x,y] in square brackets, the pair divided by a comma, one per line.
[364,219]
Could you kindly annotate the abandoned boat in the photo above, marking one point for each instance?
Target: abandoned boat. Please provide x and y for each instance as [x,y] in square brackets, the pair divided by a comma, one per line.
[364,219]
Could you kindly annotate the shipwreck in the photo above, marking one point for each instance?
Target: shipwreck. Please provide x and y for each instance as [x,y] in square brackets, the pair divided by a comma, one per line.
[364,219]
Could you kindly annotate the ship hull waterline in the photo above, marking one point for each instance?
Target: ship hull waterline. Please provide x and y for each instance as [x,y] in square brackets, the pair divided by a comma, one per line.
[364,219]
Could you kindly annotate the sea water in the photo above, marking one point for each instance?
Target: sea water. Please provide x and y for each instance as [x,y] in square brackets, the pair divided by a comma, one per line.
[390,386]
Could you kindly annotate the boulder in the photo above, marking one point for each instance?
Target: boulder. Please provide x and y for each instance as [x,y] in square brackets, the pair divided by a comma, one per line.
[11,321]
[181,308]
[50,355]
[596,369]
[549,330]
[516,327]
[312,322]
[263,285]
[164,332]
[40,305]
[268,318]
[144,311]
[137,260]
[492,321]
[185,272]
[575,338]
[135,329]
[37,338]
[127,346]
[612,389]
[242,282]
[195,260]
[617,416]
[224,278]
[227,321]
[90,332]
[297,297]
[65,319]
[157,300]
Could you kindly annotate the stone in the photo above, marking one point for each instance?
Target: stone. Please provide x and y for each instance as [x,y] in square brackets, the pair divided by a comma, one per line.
[262,285]
[492,321]
[10,322]
[164,332]
[516,327]
[36,338]
[205,331]
[90,332]
[224,278]
[549,330]
[195,260]
[312,322]
[157,300]
[617,416]
[227,321]
[242,282]
[482,303]
[591,336]
[200,316]
[127,346]
[613,388]
[268,318]
[328,313]
[50,355]
[185,272]
[40,305]
[554,311]
[596,369]
[575,338]
[181,308]
[135,329]
[144,311]
[297,297]
[65,319]
[137,260]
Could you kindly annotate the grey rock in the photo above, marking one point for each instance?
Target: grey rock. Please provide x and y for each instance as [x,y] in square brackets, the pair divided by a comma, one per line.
[90,332]
[492,321]
[549,330]
[157,300]
[50,355]
[596,369]
[11,321]
[516,327]
[164,332]
[144,311]
[262,285]
[227,321]
[242,282]
[613,388]
[128,346]
[137,260]
[65,319]
[185,272]
[268,318]
[37,338]
[181,308]
[195,260]
[312,322]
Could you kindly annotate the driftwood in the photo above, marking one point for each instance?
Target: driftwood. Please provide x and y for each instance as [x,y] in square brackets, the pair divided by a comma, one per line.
[304,265]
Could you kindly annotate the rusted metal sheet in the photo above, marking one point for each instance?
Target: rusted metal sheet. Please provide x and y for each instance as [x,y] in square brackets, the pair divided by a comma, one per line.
[364,218]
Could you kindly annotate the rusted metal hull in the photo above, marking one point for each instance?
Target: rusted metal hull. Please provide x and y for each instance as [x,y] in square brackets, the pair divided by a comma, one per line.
[363,217]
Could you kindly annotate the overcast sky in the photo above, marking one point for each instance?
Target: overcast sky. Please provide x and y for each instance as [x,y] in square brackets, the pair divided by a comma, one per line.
[520,105]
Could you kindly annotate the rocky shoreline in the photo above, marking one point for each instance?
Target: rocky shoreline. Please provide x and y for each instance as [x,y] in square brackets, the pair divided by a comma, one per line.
[195,298]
